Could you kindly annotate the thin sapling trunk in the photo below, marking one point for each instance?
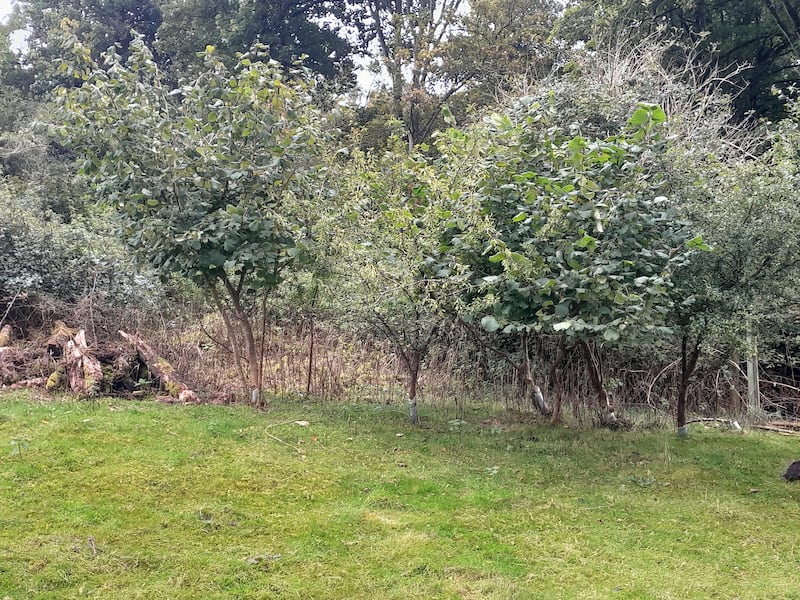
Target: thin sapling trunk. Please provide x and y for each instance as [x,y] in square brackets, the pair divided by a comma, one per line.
[596,380]
[688,367]
[413,381]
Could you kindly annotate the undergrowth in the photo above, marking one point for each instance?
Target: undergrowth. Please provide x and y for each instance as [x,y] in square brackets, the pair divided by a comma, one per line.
[118,499]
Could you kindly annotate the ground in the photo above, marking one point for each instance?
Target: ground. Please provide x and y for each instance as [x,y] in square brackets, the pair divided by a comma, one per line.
[121,499]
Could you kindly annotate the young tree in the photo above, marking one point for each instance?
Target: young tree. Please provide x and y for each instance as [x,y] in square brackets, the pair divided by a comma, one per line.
[583,242]
[210,179]
[743,284]
[398,286]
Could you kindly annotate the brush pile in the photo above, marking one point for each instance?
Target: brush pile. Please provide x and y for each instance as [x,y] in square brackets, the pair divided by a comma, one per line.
[65,361]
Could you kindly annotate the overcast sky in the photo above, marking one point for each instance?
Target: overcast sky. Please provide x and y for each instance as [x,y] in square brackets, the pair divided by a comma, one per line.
[5,8]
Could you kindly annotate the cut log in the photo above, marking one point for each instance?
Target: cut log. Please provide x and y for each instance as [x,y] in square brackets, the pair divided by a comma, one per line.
[83,371]
[59,336]
[161,370]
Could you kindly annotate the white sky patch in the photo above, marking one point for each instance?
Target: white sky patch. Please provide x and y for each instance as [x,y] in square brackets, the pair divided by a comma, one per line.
[18,38]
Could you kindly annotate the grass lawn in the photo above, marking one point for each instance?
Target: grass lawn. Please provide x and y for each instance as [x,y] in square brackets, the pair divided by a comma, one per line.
[121,500]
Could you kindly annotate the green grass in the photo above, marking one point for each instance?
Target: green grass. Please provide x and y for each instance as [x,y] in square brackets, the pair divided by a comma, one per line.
[119,499]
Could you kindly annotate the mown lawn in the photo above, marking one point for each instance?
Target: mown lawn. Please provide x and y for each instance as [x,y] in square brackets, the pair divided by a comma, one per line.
[119,500]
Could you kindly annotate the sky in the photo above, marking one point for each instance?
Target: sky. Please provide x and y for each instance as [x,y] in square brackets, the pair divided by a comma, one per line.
[17,38]
[5,8]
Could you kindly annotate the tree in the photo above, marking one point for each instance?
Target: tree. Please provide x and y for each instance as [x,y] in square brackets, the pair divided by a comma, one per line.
[397,285]
[498,43]
[435,50]
[210,178]
[289,29]
[583,244]
[761,35]
[99,24]
[745,208]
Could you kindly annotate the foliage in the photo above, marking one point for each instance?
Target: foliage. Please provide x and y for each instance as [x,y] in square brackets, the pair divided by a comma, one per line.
[199,173]
[499,42]
[291,30]
[99,24]
[41,255]
[138,499]
[762,35]
[211,179]
[583,242]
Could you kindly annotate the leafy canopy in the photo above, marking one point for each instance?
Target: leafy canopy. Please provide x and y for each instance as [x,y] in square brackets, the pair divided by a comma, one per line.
[208,177]
[582,242]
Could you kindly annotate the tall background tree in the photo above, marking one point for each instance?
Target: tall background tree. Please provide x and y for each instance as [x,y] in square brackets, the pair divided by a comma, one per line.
[98,23]
[435,51]
[308,28]
[761,34]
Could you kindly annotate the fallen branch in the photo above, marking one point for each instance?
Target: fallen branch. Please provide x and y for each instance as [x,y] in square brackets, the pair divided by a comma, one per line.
[9,307]
[780,430]
[795,425]
[36,382]
[730,422]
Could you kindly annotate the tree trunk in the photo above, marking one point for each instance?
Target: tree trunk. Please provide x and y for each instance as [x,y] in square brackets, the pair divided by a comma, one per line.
[250,347]
[310,369]
[532,391]
[596,380]
[161,369]
[230,333]
[413,381]
[688,366]
[553,379]
[753,391]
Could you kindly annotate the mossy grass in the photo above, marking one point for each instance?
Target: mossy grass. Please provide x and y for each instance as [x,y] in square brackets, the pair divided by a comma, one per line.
[117,499]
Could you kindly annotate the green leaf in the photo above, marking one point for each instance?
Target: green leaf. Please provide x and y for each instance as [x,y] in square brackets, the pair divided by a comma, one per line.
[490,324]
[697,243]
[519,259]
[610,335]
[586,241]
[639,117]
[562,309]
[562,326]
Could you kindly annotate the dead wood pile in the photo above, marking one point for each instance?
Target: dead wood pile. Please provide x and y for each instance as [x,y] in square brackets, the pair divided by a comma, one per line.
[65,361]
